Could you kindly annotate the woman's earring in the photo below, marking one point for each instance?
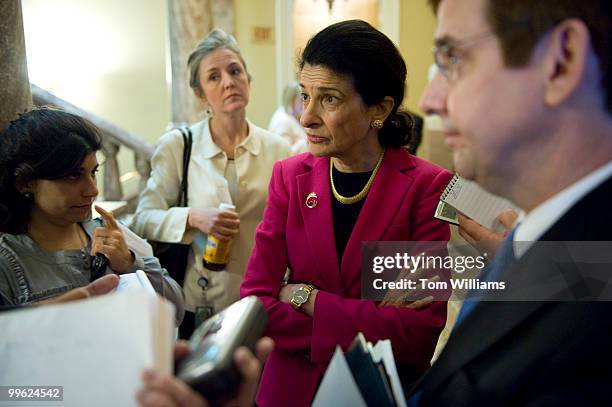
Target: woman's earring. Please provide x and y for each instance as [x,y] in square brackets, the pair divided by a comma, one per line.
[208,111]
[377,124]
[27,195]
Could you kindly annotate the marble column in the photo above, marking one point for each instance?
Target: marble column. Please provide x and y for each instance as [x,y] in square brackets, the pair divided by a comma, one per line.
[188,22]
[15,96]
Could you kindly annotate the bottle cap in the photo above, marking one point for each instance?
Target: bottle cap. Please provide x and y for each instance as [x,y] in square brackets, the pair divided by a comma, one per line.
[225,206]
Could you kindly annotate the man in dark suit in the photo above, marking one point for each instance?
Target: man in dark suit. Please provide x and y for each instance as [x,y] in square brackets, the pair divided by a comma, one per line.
[524,92]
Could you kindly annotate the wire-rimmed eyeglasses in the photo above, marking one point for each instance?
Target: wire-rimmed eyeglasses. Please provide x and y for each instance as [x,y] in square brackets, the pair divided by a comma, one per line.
[450,54]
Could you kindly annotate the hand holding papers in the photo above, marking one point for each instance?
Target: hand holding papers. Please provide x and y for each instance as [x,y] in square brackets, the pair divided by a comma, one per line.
[95,349]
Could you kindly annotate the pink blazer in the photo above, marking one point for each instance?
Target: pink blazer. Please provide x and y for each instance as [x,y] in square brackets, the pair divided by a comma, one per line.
[399,206]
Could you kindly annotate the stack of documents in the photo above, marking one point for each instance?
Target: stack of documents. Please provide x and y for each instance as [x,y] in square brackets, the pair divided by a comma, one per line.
[366,374]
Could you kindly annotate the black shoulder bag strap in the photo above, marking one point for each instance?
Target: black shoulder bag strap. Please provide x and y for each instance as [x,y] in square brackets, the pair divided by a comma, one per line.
[187,142]
[173,256]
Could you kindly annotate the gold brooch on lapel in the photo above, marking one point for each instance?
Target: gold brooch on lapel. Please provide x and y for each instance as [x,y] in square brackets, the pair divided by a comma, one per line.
[312,200]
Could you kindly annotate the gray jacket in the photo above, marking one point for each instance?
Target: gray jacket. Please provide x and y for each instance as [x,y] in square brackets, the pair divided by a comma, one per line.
[29,274]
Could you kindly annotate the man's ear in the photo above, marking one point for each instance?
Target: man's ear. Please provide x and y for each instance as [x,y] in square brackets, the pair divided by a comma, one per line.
[382,109]
[567,59]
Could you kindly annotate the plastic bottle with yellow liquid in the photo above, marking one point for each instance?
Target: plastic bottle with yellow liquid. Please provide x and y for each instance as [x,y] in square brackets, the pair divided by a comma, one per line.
[216,252]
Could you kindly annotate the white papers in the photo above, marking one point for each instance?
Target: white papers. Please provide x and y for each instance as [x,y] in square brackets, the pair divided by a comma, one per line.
[95,348]
[135,281]
[338,387]
[383,352]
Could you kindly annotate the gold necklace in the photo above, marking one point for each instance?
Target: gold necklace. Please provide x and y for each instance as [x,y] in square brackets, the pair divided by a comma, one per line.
[348,200]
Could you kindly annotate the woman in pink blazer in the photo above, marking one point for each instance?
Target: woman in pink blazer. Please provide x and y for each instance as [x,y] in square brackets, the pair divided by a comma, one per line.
[356,184]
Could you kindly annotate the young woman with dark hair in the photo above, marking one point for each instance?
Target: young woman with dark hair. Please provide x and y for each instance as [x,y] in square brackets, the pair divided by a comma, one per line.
[48,240]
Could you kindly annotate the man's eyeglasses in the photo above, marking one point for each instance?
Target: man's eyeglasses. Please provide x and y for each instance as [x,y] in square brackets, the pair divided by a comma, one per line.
[449,55]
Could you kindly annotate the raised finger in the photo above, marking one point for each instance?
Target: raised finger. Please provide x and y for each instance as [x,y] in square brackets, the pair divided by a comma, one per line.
[109,219]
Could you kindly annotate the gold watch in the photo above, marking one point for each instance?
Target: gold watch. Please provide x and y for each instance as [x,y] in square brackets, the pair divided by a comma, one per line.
[301,295]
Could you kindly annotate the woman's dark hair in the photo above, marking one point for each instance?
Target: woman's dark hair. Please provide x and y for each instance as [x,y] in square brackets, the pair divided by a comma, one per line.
[356,49]
[44,143]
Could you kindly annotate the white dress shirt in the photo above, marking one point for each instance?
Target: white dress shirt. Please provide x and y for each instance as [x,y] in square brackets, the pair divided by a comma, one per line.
[533,225]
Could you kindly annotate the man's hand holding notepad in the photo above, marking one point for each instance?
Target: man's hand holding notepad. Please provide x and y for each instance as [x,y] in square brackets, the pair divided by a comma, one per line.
[483,239]
[468,198]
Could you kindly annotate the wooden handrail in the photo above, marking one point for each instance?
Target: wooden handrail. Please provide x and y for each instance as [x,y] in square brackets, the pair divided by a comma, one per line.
[116,134]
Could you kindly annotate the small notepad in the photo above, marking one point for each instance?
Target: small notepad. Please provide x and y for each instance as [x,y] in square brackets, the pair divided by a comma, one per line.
[470,199]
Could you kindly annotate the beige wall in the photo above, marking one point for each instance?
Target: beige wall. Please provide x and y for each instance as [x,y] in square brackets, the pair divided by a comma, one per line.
[311,17]
[417,27]
[107,57]
[260,56]
[417,24]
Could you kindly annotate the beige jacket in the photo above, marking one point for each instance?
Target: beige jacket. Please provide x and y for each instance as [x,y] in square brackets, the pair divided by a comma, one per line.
[157,219]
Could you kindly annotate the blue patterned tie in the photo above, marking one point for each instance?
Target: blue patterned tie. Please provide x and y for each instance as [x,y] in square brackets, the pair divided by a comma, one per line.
[503,258]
